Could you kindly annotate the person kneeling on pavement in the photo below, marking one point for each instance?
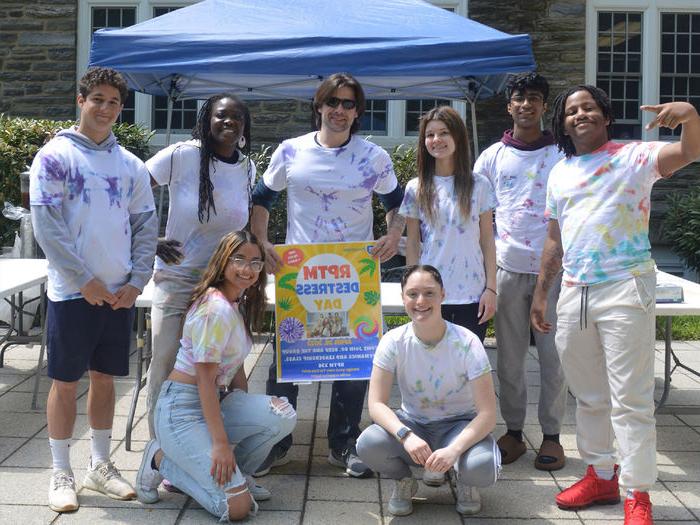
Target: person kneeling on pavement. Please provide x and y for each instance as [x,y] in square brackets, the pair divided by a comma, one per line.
[448,403]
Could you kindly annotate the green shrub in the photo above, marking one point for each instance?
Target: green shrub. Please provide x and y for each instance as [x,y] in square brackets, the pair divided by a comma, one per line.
[21,138]
[681,227]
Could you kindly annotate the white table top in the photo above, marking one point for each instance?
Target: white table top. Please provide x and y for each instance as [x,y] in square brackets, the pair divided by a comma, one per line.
[691,297]
[392,304]
[17,275]
[391,297]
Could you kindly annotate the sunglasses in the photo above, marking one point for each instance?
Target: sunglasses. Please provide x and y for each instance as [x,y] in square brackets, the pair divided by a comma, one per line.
[239,263]
[345,102]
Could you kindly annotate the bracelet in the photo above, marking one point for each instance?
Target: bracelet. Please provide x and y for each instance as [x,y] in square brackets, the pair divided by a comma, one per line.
[492,290]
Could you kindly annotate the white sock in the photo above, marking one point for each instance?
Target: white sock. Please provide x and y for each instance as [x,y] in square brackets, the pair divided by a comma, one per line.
[630,493]
[60,453]
[604,472]
[100,441]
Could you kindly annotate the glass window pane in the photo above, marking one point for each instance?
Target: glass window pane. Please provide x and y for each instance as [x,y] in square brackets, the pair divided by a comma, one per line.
[618,65]
[114,18]
[632,89]
[695,23]
[666,86]
[604,21]
[631,111]
[695,43]
[413,105]
[695,64]
[99,17]
[618,109]
[635,19]
[634,44]
[128,17]
[682,44]
[683,23]
[667,63]
[668,23]
[634,63]
[604,63]
[682,63]
[617,89]
[668,43]
[619,21]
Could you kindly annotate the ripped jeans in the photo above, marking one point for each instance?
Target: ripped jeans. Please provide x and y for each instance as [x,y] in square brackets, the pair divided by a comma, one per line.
[250,423]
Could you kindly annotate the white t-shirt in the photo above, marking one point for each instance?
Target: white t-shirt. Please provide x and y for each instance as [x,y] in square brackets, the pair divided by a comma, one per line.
[329,190]
[451,244]
[434,380]
[214,332]
[520,180]
[97,191]
[178,167]
[602,203]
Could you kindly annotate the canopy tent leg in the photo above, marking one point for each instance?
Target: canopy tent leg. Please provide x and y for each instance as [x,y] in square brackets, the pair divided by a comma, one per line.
[168,129]
[475,137]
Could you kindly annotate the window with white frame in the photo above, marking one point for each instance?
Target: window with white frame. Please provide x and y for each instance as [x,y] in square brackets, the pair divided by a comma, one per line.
[389,121]
[102,17]
[643,52]
[184,113]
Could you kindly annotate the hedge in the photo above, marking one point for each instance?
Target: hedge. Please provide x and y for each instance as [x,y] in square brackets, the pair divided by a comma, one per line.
[21,138]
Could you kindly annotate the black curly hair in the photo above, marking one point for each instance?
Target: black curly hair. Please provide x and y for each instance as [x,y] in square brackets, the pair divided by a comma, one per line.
[202,132]
[524,81]
[562,140]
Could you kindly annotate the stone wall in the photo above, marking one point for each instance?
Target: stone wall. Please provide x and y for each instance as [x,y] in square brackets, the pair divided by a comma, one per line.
[37,58]
[557,30]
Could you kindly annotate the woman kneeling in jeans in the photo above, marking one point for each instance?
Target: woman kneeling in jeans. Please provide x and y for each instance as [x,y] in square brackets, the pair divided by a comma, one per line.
[448,404]
[211,434]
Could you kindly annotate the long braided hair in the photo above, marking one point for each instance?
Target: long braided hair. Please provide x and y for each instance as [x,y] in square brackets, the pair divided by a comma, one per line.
[202,132]
[463,179]
[563,141]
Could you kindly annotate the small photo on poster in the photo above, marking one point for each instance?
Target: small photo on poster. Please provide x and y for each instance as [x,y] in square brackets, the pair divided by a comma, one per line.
[330,324]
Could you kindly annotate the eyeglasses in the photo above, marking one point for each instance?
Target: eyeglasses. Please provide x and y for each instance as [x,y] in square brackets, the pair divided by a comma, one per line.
[239,263]
[532,98]
[347,103]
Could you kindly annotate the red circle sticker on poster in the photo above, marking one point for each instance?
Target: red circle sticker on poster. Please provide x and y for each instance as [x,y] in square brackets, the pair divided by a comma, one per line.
[293,257]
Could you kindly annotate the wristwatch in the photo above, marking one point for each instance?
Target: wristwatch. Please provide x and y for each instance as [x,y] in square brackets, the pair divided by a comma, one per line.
[402,433]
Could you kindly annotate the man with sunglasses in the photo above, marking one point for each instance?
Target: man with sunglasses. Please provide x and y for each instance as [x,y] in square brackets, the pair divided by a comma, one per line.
[330,175]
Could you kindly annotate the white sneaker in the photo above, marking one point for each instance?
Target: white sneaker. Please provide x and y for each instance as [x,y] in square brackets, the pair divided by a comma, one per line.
[400,503]
[468,499]
[106,478]
[148,479]
[258,492]
[433,479]
[62,496]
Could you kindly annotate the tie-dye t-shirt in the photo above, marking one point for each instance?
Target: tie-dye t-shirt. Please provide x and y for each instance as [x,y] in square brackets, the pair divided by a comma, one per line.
[520,180]
[433,380]
[602,202]
[451,244]
[178,167]
[329,190]
[214,332]
[97,191]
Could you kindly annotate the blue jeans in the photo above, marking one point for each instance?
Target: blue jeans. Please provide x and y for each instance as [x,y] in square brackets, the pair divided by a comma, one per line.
[478,466]
[184,438]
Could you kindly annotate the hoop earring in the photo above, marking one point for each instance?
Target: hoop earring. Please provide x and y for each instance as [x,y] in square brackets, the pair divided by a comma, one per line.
[241,142]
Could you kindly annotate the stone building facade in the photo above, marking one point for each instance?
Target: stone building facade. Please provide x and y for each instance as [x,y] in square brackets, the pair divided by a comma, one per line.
[40,53]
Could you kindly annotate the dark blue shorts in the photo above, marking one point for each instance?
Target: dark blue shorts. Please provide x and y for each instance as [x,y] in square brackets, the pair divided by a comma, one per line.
[83,337]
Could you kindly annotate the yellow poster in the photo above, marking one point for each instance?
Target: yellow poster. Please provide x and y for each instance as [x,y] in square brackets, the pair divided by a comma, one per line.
[328,311]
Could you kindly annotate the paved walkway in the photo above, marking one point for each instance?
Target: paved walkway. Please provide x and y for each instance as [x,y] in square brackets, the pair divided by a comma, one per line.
[308,490]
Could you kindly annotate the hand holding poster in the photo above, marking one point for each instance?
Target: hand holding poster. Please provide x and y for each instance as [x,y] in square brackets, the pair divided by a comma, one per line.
[328,311]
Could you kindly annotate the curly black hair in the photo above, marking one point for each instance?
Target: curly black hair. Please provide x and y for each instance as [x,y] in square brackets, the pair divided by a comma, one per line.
[97,76]
[524,81]
[202,132]
[562,140]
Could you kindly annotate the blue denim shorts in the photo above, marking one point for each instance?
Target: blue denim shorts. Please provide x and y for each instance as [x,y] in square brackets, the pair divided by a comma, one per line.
[83,337]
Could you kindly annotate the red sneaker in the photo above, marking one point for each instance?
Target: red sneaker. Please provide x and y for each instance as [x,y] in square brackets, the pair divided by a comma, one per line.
[590,490]
[638,509]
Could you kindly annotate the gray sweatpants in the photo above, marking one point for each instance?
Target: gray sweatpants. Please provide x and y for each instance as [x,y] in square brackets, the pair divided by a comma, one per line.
[513,338]
[477,467]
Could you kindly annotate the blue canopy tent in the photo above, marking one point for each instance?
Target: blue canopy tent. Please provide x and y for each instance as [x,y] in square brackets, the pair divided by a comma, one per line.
[262,49]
